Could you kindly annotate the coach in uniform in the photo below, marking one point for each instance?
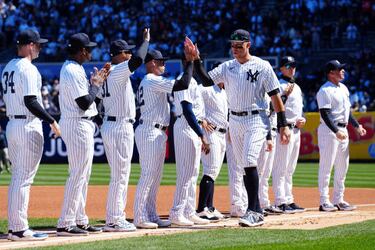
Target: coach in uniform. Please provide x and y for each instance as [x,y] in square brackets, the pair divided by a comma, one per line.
[77,106]
[117,129]
[247,79]
[21,85]
[333,140]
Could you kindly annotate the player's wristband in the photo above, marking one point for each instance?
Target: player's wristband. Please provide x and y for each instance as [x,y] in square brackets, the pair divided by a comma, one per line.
[281,119]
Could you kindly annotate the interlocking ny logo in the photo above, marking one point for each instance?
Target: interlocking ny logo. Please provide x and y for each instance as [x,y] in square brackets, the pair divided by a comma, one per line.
[254,77]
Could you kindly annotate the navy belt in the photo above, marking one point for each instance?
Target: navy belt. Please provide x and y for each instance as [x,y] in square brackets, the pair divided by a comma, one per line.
[113,119]
[274,129]
[244,113]
[91,118]
[221,130]
[157,125]
[19,116]
[342,125]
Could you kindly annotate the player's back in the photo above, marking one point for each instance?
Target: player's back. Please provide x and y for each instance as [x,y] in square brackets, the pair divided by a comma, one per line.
[152,99]
[20,78]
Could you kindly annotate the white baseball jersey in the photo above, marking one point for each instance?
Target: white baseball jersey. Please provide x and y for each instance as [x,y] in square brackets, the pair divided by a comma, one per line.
[25,137]
[20,78]
[117,92]
[151,143]
[188,153]
[294,103]
[78,135]
[333,151]
[246,84]
[154,89]
[74,84]
[119,102]
[336,98]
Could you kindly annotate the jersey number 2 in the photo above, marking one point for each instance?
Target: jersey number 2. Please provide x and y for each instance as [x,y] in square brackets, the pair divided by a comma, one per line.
[141,101]
[8,82]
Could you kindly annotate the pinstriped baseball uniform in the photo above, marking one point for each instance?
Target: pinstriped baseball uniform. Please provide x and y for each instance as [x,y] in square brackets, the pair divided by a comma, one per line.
[246,86]
[118,137]
[188,153]
[25,136]
[265,164]
[78,135]
[333,151]
[216,113]
[151,142]
[238,195]
[286,156]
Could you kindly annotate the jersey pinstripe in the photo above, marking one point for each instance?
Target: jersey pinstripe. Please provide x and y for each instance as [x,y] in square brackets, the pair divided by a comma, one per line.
[73,84]
[294,103]
[118,137]
[154,89]
[151,143]
[188,153]
[246,84]
[20,78]
[25,137]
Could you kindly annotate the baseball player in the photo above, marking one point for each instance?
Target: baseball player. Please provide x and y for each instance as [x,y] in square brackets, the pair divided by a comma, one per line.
[286,156]
[189,141]
[21,85]
[334,106]
[77,106]
[215,126]
[150,136]
[265,164]
[238,196]
[247,80]
[117,128]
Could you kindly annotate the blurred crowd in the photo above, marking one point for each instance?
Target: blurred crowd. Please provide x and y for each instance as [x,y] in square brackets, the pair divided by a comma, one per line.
[297,27]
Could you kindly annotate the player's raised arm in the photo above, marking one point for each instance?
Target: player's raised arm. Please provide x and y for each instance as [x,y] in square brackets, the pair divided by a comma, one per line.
[199,69]
[139,57]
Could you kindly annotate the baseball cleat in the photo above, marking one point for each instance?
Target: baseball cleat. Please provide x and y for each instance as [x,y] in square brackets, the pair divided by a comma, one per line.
[217,214]
[26,235]
[182,222]
[120,226]
[327,207]
[163,223]
[71,231]
[208,215]
[251,219]
[344,206]
[286,209]
[147,225]
[90,229]
[198,221]
[297,208]
[272,210]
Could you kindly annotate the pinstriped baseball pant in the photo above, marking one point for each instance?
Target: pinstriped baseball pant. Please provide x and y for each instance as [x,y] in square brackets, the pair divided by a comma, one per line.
[78,135]
[332,152]
[151,144]
[238,195]
[213,161]
[118,139]
[25,143]
[265,163]
[188,154]
[286,157]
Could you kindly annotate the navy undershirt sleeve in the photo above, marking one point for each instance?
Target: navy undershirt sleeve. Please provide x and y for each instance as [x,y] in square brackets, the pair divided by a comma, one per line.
[187,110]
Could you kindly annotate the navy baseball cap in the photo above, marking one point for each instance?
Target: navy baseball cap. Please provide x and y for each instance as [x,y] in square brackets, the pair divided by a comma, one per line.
[30,36]
[155,55]
[119,46]
[288,61]
[333,65]
[80,40]
[240,35]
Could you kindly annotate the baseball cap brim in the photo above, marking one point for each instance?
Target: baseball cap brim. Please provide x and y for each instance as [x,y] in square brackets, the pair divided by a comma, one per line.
[91,44]
[42,40]
[291,64]
[129,47]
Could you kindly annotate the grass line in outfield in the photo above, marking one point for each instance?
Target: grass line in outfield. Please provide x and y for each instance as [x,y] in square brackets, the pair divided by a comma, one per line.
[306,175]
[351,236]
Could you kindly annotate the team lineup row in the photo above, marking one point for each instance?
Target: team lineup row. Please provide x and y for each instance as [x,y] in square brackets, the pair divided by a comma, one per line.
[265,117]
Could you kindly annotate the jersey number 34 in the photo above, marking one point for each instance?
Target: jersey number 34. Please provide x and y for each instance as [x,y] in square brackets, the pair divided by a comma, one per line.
[8,82]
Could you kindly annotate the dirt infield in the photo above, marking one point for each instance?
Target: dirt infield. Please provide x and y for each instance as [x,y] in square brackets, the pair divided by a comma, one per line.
[46,201]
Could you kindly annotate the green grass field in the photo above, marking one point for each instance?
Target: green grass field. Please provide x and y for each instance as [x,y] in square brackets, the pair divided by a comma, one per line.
[306,175]
[353,236]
